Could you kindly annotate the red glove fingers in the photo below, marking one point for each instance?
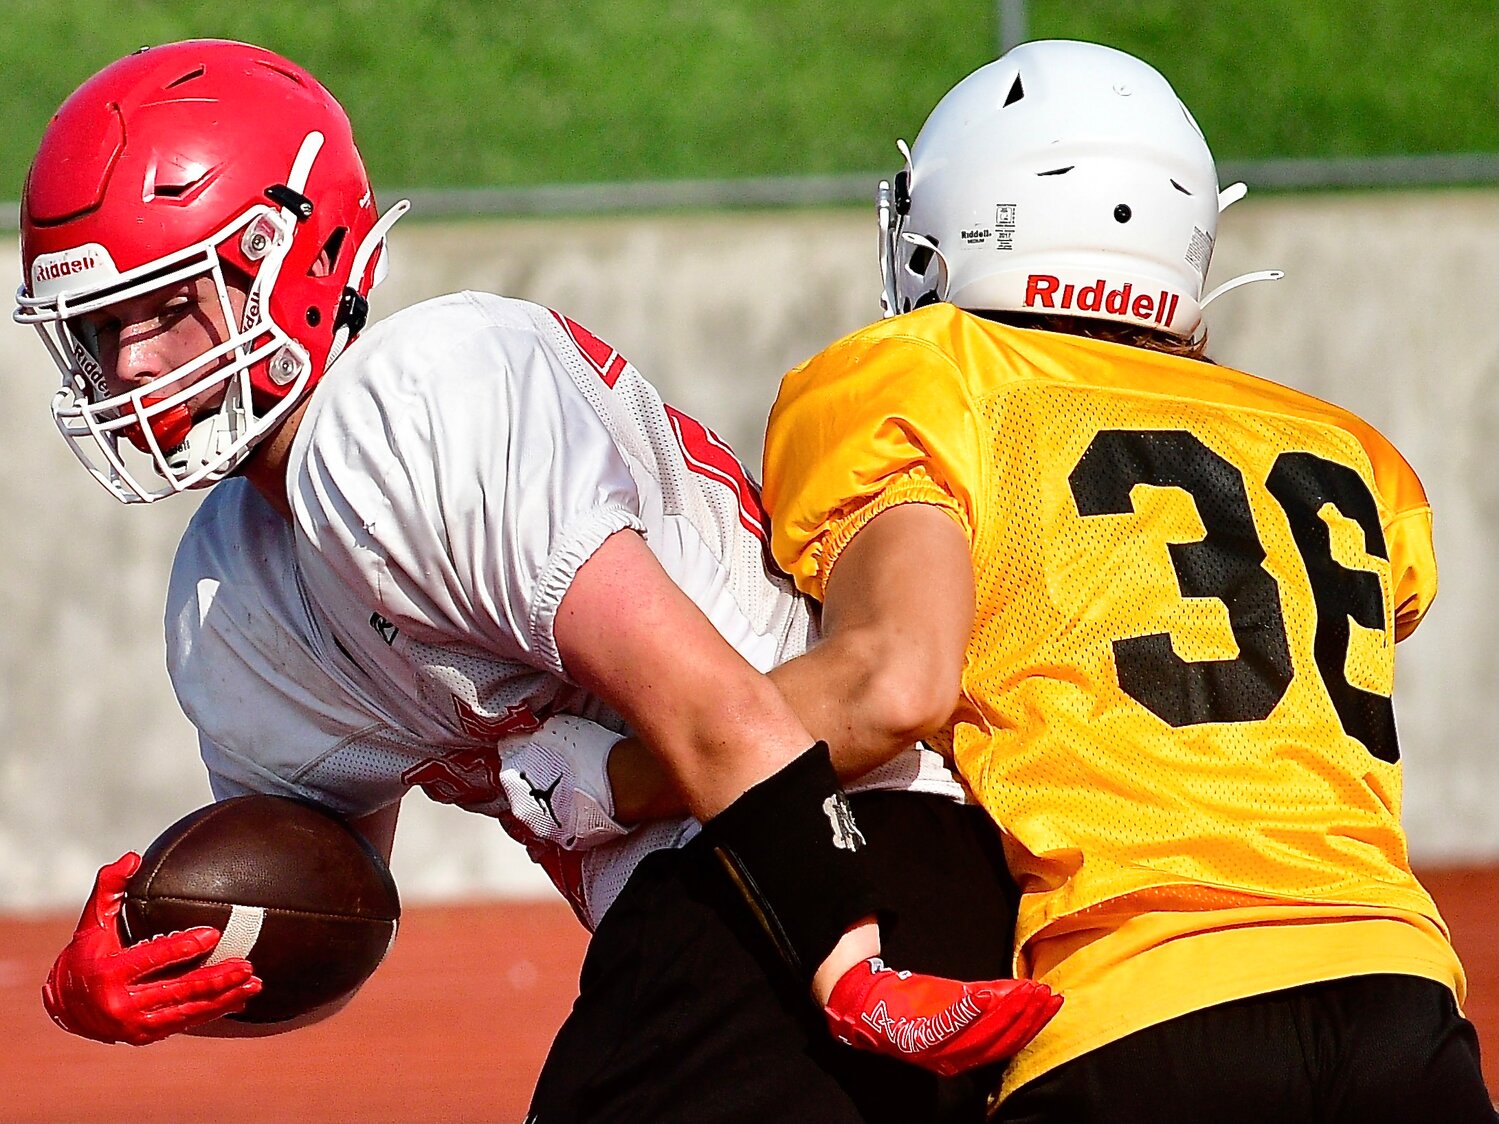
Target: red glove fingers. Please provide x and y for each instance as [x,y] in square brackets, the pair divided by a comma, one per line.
[98,989]
[943,1025]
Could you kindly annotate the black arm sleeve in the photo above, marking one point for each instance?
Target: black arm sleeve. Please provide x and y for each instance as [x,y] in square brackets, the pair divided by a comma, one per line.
[793,850]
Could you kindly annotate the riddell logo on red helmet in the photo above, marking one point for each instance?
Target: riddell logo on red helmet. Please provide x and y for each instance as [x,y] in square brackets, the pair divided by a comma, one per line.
[1042,290]
[51,273]
[52,270]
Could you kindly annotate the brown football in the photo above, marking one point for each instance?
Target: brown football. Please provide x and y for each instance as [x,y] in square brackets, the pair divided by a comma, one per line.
[292,888]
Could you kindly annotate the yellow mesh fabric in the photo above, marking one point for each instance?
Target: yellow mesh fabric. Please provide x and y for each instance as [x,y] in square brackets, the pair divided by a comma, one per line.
[1151,680]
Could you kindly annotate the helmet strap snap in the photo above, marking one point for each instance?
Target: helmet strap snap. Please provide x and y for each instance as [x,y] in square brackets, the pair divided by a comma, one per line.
[259,238]
[287,365]
[353,312]
[293,200]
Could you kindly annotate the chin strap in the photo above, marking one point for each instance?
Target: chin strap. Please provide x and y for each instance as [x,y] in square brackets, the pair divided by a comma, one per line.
[939,293]
[353,309]
[891,203]
[1226,199]
[1242,279]
[885,217]
[1231,195]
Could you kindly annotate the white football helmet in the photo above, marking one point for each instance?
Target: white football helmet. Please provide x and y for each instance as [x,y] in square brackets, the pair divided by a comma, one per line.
[1064,178]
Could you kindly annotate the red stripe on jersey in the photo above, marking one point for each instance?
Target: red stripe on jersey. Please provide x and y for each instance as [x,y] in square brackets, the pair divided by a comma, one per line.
[609,363]
[706,454]
[516,719]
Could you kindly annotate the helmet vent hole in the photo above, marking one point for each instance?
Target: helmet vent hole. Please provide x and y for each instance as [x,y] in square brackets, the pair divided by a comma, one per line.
[283,71]
[1017,91]
[1180,188]
[1058,171]
[184,79]
[173,190]
[327,261]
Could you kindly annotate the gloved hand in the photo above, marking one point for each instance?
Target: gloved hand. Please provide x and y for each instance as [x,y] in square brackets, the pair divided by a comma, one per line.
[556,781]
[943,1025]
[101,990]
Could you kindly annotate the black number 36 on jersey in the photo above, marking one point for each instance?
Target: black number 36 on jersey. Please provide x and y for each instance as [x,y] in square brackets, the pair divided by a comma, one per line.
[1228,564]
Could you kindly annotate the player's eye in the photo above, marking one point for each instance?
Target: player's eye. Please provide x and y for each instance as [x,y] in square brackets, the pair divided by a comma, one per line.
[176,308]
[94,332]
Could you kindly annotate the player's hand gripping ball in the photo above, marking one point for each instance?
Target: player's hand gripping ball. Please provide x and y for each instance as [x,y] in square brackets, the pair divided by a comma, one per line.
[293,889]
[305,906]
[102,990]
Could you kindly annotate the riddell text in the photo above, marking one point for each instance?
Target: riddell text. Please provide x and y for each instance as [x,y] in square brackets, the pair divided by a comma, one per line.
[64,268]
[1045,291]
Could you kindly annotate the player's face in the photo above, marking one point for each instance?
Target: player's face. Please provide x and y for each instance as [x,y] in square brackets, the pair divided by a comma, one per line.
[146,337]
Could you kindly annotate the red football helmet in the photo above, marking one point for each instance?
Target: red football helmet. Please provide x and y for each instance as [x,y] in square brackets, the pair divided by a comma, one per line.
[169,165]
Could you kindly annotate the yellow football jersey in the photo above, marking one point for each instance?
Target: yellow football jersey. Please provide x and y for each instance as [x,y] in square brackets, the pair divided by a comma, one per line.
[1176,698]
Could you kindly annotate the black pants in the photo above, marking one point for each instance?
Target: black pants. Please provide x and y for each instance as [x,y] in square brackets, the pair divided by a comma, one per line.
[1368,1049]
[686,1015]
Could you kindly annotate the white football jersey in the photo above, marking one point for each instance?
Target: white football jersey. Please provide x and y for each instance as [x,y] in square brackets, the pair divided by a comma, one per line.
[448,479]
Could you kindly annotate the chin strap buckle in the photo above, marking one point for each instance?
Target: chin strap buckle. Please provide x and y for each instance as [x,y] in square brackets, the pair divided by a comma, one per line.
[353,312]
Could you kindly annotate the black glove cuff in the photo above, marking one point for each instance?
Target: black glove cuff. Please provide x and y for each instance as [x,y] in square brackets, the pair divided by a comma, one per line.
[793,850]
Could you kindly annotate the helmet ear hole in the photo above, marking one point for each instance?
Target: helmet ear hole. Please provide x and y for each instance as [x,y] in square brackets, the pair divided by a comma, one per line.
[327,259]
[921,258]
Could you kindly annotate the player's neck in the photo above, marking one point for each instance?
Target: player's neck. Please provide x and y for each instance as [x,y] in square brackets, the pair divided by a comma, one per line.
[266,467]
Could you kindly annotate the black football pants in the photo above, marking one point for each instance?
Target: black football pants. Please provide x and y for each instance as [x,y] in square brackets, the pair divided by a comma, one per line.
[686,1015]
[1365,1050]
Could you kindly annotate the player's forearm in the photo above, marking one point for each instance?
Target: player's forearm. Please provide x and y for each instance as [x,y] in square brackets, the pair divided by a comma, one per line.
[730,738]
[862,699]
[628,634]
[852,711]
[897,612]
[868,694]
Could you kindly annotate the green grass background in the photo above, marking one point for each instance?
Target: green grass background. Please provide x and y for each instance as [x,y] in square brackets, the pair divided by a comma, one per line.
[487,92]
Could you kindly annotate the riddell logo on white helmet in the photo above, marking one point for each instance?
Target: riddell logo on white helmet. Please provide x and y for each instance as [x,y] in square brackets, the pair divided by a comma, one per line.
[51,273]
[1042,290]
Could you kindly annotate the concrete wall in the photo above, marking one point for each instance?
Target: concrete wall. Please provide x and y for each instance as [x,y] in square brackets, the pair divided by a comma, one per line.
[1389,308]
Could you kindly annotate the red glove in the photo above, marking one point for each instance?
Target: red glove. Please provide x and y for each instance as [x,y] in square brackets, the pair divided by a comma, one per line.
[98,989]
[942,1025]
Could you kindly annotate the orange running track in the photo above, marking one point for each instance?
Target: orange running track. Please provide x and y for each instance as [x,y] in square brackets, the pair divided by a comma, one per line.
[453,1027]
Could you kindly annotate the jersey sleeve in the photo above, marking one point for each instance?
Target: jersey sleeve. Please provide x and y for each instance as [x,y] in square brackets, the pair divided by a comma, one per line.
[1413,568]
[461,474]
[860,428]
[539,512]
[1407,531]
